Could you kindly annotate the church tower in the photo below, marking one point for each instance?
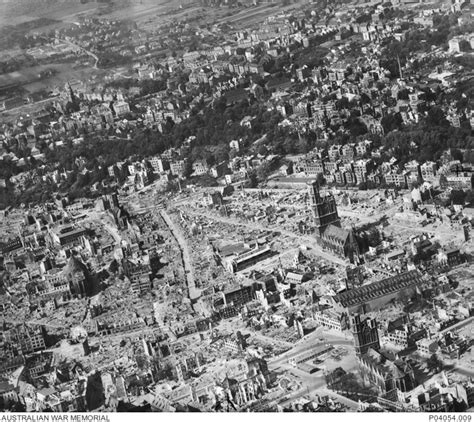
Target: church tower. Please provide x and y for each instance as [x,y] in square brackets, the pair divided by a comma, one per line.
[365,334]
[324,209]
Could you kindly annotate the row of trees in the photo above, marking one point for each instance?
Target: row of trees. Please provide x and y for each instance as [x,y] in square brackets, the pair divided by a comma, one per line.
[419,40]
[428,140]
[146,86]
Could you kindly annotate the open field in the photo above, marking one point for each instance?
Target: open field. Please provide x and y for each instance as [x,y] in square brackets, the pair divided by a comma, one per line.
[29,79]
[156,12]
[21,11]
[145,9]
[250,13]
[33,16]
[254,15]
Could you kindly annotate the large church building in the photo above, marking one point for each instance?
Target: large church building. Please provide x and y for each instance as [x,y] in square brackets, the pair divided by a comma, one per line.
[329,233]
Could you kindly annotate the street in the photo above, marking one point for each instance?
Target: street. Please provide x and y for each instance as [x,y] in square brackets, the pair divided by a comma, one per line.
[194,293]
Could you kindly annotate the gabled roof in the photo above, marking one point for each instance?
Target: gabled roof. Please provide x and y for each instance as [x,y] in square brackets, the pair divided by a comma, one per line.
[389,368]
[6,386]
[47,391]
[336,233]
[378,289]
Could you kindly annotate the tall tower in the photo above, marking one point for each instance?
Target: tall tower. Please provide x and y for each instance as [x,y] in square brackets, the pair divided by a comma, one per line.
[324,209]
[365,334]
[69,93]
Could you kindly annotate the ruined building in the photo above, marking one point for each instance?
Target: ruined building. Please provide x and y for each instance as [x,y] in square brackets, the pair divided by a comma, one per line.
[329,233]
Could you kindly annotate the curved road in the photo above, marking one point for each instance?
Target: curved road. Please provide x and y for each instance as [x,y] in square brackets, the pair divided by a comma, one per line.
[89,53]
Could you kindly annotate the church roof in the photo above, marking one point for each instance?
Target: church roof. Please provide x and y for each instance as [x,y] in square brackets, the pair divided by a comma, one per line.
[374,356]
[378,289]
[389,368]
[336,233]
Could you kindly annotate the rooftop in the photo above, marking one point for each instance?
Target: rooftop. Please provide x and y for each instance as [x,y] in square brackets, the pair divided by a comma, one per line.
[377,289]
[336,232]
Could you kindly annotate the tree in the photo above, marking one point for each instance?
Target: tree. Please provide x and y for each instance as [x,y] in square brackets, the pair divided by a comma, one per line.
[464,45]
[221,153]
[365,18]
[233,153]
[143,361]
[434,364]
[469,199]
[114,266]
[456,154]
[342,103]
[458,197]
[356,126]
[263,150]
[94,392]
[253,179]
[392,121]
[403,94]
[320,179]
[364,98]
[171,186]
[468,156]
[436,117]
[263,171]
